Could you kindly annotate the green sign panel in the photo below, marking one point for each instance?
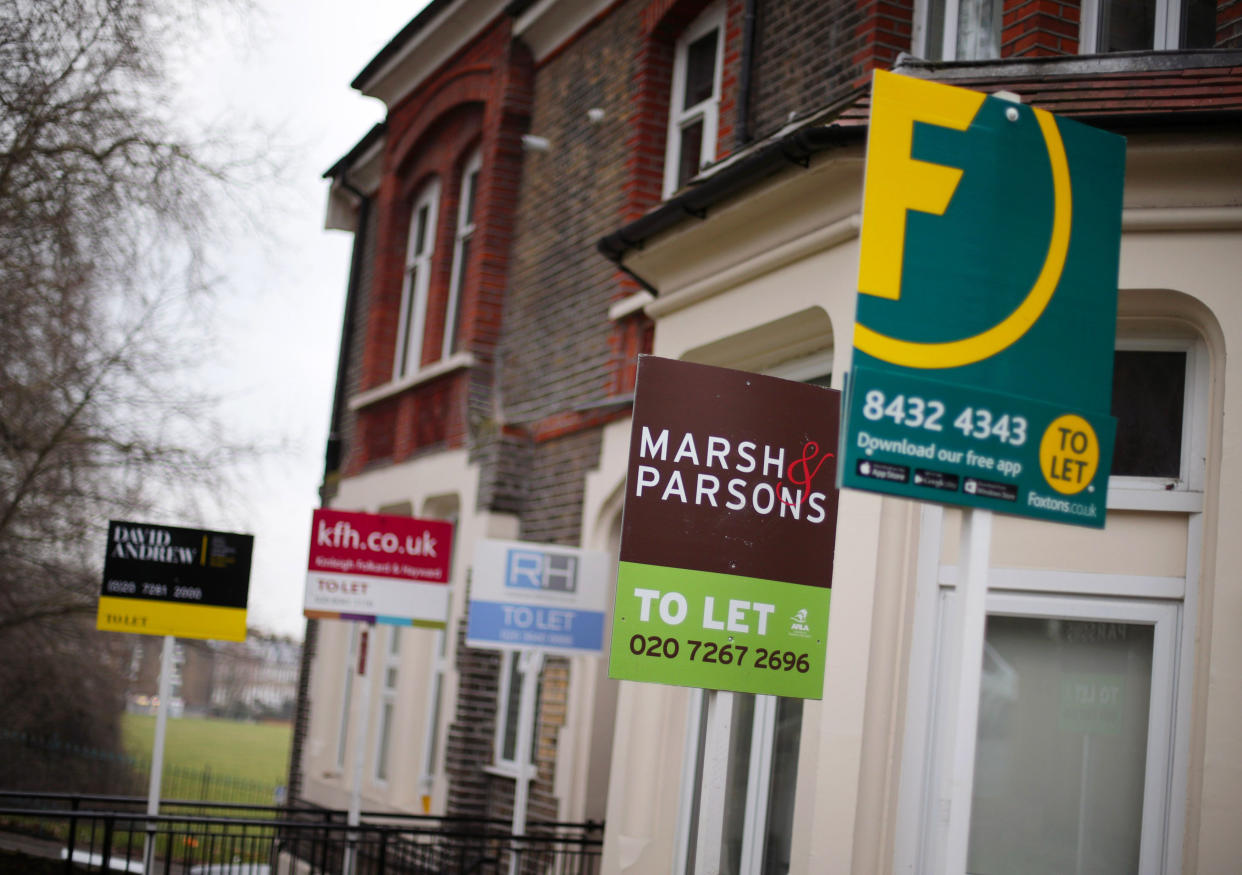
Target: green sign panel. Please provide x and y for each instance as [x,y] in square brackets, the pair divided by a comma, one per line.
[987,305]
[728,533]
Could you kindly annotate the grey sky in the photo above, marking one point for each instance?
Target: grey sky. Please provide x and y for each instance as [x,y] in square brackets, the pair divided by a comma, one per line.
[287,69]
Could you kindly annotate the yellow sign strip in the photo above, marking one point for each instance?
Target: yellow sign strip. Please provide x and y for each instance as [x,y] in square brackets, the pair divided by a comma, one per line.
[148,617]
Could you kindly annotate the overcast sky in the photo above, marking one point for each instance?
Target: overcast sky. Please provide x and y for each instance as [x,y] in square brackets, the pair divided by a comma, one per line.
[286,68]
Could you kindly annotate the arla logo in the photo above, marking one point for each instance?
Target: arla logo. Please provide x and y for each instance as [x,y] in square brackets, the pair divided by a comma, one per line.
[799,625]
[535,569]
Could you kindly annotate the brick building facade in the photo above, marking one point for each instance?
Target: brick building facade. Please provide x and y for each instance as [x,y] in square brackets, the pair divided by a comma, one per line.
[590,135]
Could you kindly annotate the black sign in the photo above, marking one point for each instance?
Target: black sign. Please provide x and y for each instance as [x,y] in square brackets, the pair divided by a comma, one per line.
[172,564]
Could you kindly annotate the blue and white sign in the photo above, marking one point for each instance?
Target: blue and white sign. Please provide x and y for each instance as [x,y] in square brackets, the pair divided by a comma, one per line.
[527,596]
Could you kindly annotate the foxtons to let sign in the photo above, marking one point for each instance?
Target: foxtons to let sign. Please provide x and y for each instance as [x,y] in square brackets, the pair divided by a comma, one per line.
[987,305]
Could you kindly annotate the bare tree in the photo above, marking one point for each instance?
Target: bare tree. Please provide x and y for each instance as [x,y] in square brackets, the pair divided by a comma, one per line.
[104,208]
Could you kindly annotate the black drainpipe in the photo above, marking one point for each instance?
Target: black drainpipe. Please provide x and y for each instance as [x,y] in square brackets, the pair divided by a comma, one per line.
[742,135]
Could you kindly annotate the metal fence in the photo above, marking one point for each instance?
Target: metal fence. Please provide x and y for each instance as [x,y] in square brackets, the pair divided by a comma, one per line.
[111,834]
[29,762]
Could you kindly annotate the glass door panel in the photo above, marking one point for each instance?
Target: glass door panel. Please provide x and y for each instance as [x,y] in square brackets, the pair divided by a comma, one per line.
[1072,739]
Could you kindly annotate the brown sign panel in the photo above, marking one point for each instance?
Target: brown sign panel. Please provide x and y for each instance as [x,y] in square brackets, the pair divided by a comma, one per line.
[731,472]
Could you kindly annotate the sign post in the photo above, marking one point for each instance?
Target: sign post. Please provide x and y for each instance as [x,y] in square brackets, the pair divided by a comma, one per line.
[172,581]
[984,334]
[157,751]
[354,816]
[532,599]
[375,568]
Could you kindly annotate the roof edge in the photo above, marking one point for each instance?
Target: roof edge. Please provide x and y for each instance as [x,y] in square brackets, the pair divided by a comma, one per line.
[795,147]
[369,139]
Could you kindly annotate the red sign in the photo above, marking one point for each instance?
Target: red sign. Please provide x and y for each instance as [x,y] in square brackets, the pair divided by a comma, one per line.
[378,567]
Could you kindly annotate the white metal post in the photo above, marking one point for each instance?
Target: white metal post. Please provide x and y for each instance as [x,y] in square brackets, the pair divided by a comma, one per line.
[354,816]
[157,749]
[974,549]
[530,663]
[713,791]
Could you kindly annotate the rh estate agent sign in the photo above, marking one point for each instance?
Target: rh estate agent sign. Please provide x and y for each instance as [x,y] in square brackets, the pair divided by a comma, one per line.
[537,596]
[728,532]
[166,580]
[987,305]
[378,568]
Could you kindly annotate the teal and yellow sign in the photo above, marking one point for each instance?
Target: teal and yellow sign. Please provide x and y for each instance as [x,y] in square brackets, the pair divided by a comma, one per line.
[987,305]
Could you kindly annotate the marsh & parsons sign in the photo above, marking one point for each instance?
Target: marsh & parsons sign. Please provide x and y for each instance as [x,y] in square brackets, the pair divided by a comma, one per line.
[378,568]
[987,305]
[728,532]
[168,580]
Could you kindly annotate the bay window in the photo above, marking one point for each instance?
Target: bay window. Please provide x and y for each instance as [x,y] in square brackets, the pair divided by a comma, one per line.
[1081,736]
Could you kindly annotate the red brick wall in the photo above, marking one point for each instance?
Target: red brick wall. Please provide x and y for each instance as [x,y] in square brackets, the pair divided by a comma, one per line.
[812,55]
[480,99]
[1040,28]
[1229,24]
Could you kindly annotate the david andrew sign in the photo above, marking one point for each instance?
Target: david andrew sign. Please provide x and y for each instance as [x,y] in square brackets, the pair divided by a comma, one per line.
[168,580]
[728,532]
[378,568]
[987,305]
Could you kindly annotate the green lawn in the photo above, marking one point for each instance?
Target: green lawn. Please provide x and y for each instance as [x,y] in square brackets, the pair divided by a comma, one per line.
[245,751]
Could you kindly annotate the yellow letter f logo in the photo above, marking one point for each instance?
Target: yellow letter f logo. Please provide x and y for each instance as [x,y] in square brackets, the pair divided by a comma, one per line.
[895,182]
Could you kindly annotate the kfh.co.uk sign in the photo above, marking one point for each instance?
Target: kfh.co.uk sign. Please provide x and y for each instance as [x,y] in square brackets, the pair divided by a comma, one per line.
[378,568]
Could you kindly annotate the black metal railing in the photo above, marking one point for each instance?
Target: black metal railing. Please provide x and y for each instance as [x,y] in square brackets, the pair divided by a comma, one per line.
[29,762]
[112,833]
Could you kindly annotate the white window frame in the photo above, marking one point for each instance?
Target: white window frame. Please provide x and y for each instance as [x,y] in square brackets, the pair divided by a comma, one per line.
[758,785]
[1167,28]
[389,670]
[464,233]
[922,803]
[1184,494]
[708,110]
[435,702]
[927,775]
[949,34]
[416,284]
[445,507]
[1167,24]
